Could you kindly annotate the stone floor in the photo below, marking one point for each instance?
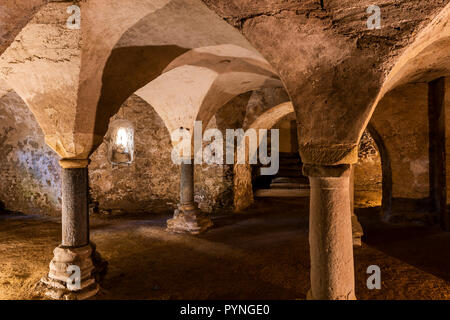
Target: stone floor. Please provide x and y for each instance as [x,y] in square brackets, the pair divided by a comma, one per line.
[261,255]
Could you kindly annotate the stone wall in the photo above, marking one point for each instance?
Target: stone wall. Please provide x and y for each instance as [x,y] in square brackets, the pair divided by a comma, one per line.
[152,179]
[401,119]
[259,102]
[368,173]
[29,169]
[31,173]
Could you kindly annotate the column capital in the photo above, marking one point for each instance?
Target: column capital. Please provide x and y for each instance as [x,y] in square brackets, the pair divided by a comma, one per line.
[73,163]
[320,171]
[329,155]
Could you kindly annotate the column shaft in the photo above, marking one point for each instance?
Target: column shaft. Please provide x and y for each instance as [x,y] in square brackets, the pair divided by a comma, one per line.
[187,183]
[75,214]
[187,217]
[330,233]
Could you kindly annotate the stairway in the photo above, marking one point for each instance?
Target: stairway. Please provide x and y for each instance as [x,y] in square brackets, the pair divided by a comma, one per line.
[288,182]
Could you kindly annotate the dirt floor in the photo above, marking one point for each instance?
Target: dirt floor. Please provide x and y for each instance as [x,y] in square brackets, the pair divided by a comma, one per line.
[260,255]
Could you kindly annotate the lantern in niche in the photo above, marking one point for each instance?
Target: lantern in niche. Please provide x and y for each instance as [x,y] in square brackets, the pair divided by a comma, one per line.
[121,144]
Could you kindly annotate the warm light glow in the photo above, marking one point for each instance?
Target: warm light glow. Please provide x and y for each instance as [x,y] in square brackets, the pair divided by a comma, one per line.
[121,149]
[121,137]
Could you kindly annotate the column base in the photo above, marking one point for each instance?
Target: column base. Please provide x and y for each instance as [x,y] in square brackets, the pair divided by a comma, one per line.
[189,219]
[58,284]
[357,231]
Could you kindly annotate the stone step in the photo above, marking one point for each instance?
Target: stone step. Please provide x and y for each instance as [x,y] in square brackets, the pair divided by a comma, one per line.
[283,155]
[285,193]
[289,173]
[289,186]
[302,179]
[284,166]
[290,167]
[290,162]
[289,155]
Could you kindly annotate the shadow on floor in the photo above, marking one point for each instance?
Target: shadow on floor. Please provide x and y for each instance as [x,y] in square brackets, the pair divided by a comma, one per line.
[261,254]
[425,247]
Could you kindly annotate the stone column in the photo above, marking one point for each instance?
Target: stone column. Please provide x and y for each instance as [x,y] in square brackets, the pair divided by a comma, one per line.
[187,184]
[76,267]
[330,233]
[75,218]
[188,218]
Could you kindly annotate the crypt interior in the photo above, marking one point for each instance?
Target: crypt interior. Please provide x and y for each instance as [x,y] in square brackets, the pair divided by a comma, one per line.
[87,117]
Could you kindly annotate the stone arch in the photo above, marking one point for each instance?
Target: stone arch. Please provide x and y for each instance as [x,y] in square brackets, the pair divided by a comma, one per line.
[153,52]
[60,78]
[401,121]
[426,59]
[94,80]
[29,167]
[386,200]
[242,184]
[200,93]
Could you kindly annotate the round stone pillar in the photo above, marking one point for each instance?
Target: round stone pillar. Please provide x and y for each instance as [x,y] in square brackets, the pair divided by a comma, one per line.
[188,218]
[187,184]
[75,217]
[76,268]
[330,233]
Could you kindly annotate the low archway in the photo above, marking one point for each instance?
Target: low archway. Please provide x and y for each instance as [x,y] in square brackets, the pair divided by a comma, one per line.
[386,187]
[243,186]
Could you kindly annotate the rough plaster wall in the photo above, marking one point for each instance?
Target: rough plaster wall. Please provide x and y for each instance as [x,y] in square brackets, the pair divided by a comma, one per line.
[368,174]
[152,177]
[14,15]
[30,169]
[401,119]
[212,181]
[230,116]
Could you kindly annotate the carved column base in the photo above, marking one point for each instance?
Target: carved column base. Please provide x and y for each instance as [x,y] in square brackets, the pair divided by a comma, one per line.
[357,231]
[58,284]
[189,219]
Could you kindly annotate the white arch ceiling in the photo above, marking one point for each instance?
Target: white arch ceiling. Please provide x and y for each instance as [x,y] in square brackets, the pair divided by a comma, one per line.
[83,76]
[271,117]
[198,88]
